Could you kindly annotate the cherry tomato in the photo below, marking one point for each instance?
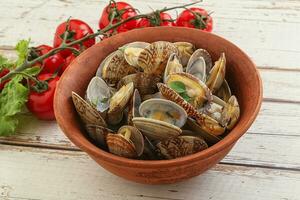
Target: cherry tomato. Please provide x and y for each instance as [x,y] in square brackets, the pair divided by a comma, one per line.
[3,72]
[68,61]
[41,104]
[53,63]
[77,29]
[195,18]
[164,19]
[122,11]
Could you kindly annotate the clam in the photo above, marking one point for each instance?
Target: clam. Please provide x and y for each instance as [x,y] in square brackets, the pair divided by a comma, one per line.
[171,95]
[224,91]
[156,95]
[217,74]
[231,113]
[87,113]
[145,83]
[115,68]
[180,146]
[118,103]
[190,88]
[202,53]
[197,67]
[196,128]
[209,125]
[98,94]
[132,52]
[128,142]
[160,119]
[150,150]
[153,58]
[185,50]
[98,134]
[173,66]
[214,108]
[133,108]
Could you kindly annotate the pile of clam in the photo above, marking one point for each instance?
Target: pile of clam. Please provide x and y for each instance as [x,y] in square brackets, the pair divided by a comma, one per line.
[158,101]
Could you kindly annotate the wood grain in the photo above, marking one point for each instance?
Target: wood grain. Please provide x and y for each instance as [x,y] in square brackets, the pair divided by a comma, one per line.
[73,175]
[233,19]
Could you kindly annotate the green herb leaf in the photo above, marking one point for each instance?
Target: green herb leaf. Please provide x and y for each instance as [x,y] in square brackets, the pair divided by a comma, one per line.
[5,63]
[178,86]
[33,71]
[185,96]
[12,100]
[22,49]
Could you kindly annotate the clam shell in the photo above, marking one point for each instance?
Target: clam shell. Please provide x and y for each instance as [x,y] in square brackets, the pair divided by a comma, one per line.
[133,108]
[119,145]
[98,94]
[197,67]
[153,58]
[217,74]
[156,95]
[224,91]
[196,90]
[115,68]
[173,66]
[118,103]
[171,95]
[156,129]
[163,110]
[136,137]
[87,113]
[209,125]
[181,146]
[185,50]
[231,113]
[132,52]
[205,55]
[145,83]
[150,150]
[98,134]
[196,128]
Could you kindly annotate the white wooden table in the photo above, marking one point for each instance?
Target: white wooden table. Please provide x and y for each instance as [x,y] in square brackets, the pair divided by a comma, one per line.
[41,163]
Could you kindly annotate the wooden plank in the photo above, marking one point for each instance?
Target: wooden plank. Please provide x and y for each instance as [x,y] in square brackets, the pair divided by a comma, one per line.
[256,18]
[73,175]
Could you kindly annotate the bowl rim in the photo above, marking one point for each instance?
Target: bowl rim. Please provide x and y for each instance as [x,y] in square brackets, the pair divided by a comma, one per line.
[96,152]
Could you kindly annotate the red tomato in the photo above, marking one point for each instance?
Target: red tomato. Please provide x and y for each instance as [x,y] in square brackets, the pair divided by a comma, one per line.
[41,104]
[53,63]
[192,18]
[123,11]
[3,72]
[68,61]
[164,20]
[77,29]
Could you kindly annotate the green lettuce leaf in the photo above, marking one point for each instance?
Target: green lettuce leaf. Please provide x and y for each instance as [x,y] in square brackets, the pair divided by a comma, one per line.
[5,63]
[22,49]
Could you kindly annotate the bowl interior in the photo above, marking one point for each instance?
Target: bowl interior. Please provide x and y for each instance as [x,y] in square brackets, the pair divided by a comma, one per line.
[241,74]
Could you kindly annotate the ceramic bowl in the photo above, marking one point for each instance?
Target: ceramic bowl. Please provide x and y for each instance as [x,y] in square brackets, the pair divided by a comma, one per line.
[241,73]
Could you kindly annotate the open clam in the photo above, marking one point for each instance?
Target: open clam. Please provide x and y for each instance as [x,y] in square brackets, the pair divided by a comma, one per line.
[209,125]
[185,50]
[128,142]
[118,103]
[217,74]
[115,68]
[190,88]
[224,91]
[231,113]
[160,119]
[180,146]
[98,134]
[132,52]
[197,67]
[87,113]
[145,83]
[98,94]
[133,108]
[173,66]
[153,58]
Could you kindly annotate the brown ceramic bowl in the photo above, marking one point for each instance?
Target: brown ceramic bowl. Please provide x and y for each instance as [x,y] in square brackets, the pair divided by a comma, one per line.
[242,76]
